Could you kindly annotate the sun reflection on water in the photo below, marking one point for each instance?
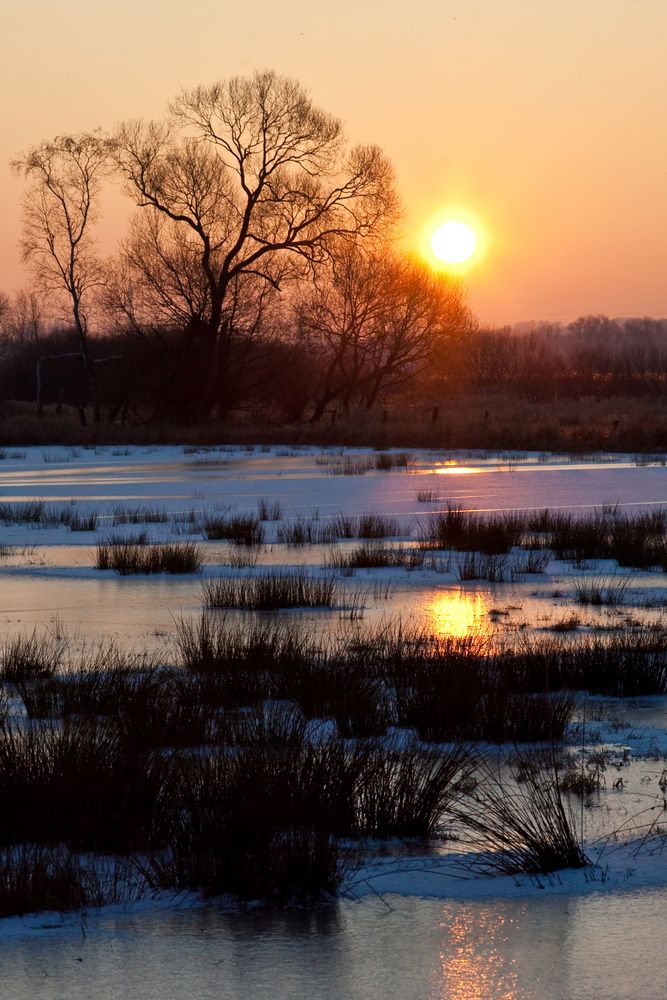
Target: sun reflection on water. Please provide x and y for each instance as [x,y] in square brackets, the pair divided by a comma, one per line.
[458,613]
[457,470]
[477,966]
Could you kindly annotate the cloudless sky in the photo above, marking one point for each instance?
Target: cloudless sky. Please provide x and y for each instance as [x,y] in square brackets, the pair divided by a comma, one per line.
[544,118]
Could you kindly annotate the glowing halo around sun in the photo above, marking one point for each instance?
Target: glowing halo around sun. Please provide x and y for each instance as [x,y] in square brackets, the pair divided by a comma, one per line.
[454,242]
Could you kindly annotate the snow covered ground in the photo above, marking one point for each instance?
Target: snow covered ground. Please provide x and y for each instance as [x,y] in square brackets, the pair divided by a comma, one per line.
[409,926]
[47,572]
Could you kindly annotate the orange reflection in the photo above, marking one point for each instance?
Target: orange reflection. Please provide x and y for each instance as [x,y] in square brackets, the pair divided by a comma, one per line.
[458,613]
[457,470]
[477,968]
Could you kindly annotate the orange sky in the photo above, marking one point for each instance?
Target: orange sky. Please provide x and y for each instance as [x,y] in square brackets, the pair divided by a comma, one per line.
[546,119]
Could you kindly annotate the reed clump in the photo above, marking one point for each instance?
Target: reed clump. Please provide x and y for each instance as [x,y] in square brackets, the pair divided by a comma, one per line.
[274,591]
[35,878]
[143,514]
[521,828]
[136,556]
[368,525]
[241,529]
[470,531]
[374,555]
[31,655]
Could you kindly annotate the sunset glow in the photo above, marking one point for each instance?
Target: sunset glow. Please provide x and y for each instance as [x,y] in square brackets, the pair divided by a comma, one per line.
[454,242]
[457,613]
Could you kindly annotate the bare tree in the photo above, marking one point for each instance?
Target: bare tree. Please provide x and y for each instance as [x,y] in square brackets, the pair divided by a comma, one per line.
[377,323]
[338,318]
[64,177]
[247,178]
[425,313]
[26,316]
[5,313]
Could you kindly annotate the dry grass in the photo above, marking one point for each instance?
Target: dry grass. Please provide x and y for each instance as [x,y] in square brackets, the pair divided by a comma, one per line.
[274,591]
[136,557]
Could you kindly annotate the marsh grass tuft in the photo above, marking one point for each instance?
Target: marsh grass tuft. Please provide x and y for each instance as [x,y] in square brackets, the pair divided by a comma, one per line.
[137,556]
[241,529]
[478,566]
[138,515]
[31,655]
[269,510]
[273,591]
[469,531]
[345,465]
[521,828]
[374,555]
[305,531]
[385,461]
[603,590]
[35,878]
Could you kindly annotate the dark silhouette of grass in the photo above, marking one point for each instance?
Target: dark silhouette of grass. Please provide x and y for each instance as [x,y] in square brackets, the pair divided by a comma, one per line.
[242,529]
[28,656]
[305,531]
[374,555]
[385,461]
[271,591]
[242,664]
[138,515]
[32,512]
[624,664]
[610,590]
[41,515]
[476,698]
[76,783]
[137,556]
[212,643]
[259,846]
[468,531]
[34,877]
[408,791]
[332,688]
[521,828]
[345,465]
[76,521]
[252,763]
[269,510]
[479,566]
[369,525]
[637,540]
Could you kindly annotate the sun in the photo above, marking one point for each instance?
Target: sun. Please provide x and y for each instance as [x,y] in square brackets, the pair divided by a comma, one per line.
[454,242]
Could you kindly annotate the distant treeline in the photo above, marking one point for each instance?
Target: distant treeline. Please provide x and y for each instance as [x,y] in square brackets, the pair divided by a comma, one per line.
[283,372]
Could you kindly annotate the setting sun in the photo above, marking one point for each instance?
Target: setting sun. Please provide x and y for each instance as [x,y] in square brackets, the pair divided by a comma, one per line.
[454,242]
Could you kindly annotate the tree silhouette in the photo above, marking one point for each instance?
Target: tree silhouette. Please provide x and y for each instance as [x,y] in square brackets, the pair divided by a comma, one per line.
[247,179]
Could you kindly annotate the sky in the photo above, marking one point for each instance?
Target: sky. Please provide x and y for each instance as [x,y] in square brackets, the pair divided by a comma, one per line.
[542,120]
